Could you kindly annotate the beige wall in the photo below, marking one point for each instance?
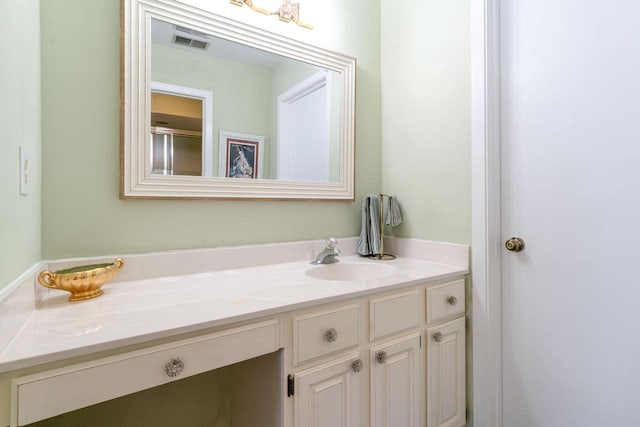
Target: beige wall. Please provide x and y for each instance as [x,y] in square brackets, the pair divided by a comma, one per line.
[82,214]
[426,120]
[19,125]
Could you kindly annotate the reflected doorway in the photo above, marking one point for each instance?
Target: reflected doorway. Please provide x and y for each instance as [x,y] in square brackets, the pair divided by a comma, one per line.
[181,133]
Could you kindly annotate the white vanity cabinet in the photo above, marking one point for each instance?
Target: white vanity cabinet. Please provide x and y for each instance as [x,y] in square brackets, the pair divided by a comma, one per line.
[329,394]
[446,375]
[396,383]
[326,381]
[380,360]
[390,358]
[47,394]
[446,355]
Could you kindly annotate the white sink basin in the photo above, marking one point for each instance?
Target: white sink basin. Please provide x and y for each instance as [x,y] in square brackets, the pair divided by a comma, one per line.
[351,271]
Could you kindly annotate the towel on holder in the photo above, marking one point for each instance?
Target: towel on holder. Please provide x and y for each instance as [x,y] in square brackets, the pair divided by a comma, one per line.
[393,216]
[369,241]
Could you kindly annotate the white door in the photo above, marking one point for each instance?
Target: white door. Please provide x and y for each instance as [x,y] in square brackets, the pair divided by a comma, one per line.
[570,187]
[395,383]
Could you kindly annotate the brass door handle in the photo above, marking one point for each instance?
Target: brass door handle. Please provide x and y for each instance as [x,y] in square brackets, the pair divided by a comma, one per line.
[514,244]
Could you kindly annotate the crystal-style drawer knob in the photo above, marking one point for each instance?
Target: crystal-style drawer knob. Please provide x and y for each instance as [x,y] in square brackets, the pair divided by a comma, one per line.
[356,366]
[381,357]
[452,300]
[174,367]
[437,337]
[331,335]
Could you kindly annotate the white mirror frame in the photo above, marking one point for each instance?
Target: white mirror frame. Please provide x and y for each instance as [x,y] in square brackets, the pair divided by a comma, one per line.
[136,180]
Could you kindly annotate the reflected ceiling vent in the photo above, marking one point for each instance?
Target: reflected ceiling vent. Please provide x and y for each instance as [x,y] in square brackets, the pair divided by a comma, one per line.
[186,41]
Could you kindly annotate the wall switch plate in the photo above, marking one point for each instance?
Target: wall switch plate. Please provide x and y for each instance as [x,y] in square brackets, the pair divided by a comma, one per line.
[25,171]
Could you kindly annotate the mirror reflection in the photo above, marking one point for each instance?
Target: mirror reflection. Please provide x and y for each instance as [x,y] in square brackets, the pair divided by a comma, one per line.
[176,134]
[223,109]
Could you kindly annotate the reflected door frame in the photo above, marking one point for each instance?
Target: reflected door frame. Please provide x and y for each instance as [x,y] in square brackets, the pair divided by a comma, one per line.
[207,118]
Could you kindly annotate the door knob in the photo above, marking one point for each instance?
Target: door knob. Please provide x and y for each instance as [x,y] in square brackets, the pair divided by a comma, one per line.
[514,244]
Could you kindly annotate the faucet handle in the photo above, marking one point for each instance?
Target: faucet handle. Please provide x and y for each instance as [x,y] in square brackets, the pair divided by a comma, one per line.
[331,242]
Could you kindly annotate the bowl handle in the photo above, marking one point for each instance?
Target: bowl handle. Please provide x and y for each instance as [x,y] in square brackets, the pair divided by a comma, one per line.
[45,278]
[118,264]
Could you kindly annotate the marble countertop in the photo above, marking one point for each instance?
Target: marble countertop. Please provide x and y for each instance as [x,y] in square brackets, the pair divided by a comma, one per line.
[137,311]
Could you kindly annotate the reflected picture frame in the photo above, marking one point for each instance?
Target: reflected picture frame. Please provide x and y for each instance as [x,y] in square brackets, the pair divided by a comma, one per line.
[241,155]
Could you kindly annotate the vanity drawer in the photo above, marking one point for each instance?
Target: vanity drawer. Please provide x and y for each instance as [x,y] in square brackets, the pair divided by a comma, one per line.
[393,313]
[445,301]
[324,332]
[36,397]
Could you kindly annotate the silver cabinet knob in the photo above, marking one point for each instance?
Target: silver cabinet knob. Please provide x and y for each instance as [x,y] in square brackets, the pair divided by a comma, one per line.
[331,335]
[381,357]
[174,367]
[437,337]
[356,366]
[452,300]
[514,244]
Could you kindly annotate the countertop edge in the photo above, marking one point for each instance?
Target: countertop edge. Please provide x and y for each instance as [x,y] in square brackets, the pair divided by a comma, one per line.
[25,363]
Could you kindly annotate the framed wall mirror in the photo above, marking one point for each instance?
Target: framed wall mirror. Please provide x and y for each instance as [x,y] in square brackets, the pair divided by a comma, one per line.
[214,108]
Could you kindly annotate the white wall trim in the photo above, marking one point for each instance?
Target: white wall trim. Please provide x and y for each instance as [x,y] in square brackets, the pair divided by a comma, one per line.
[486,233]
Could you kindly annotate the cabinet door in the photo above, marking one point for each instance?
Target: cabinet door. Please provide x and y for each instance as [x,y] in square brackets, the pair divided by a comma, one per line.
[395,383]
[329,395]
[446,375]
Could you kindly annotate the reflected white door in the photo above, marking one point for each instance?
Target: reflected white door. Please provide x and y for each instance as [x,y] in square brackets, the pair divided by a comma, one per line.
[303,131]
[570,135]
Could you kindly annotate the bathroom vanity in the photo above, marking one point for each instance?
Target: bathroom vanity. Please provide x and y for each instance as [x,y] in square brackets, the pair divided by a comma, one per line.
[371,343]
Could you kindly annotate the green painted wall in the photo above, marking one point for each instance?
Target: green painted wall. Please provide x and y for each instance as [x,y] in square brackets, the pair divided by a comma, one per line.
[19,125]
[82,214]
[426,121]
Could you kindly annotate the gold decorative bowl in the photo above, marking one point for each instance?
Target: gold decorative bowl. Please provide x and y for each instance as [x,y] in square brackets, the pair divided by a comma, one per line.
[83,282]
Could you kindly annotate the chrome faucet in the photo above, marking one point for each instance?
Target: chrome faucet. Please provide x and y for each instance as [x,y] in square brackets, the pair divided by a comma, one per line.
[329,253]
